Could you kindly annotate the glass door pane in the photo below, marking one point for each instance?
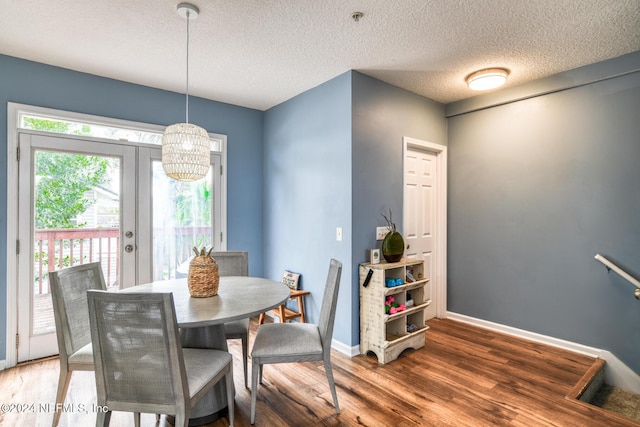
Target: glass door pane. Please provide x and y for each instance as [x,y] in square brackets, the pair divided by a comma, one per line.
[77,221]
[73,209]
[182,219]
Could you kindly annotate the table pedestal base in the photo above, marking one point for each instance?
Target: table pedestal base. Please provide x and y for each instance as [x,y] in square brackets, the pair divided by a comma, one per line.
[202,420]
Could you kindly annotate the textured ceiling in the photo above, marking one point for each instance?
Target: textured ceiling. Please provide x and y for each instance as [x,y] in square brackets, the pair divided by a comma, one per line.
[259,53]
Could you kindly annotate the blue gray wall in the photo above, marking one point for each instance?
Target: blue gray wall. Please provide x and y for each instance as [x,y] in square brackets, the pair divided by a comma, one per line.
[307,193]
[333,157]
[45,86]
[537,187]
[382,115]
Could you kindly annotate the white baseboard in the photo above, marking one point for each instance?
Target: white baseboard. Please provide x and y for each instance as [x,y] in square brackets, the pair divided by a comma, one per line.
[345,349]
[3,365]
[616,374]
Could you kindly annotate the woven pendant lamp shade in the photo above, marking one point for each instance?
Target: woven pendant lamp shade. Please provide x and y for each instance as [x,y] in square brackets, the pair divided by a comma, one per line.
[186,148]
[186,152]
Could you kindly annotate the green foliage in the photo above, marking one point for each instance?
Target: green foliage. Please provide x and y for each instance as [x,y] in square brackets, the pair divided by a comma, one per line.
[45,125]
[62,179]
[61,183]
[55,126]
[193,204]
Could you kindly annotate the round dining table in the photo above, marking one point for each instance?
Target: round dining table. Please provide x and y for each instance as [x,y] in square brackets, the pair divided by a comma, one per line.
[201,321]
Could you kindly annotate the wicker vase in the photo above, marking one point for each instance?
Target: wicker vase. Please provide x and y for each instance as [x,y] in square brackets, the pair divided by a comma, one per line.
[203,276]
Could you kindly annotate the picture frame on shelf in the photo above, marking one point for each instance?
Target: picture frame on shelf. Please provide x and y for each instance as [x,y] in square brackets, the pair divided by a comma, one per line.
[374,257]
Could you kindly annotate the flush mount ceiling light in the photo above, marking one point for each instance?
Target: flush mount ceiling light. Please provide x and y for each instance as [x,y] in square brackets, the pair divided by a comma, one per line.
[489,78]
[186,148]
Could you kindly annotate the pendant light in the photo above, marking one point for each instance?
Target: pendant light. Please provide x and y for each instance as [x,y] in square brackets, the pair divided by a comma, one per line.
[186,148]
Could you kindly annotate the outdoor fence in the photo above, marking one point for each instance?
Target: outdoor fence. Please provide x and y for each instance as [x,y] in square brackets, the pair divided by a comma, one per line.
[61,248]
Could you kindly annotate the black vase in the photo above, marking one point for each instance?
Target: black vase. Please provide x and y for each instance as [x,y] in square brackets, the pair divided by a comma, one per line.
[393,247]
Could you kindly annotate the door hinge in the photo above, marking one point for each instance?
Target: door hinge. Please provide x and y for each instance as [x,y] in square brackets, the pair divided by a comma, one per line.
[220,170]
[221,237]
[17,247]
[18,154]
[17,340]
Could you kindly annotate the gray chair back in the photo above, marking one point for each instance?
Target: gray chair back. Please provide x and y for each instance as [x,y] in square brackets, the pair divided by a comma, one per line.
[329,302]
[232,263]
[69,288]
[235,264]
[299,342]
[137,352]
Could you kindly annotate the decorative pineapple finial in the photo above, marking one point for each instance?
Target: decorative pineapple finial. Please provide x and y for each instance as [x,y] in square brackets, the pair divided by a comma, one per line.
[203,251]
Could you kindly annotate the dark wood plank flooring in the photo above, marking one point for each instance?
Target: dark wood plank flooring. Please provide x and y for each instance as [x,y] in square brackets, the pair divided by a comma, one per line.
[464,376]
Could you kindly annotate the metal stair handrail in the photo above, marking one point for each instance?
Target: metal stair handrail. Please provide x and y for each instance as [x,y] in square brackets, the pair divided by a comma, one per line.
[611,266]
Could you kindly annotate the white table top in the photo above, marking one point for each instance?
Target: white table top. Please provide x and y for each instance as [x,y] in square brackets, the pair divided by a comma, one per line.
[238,297]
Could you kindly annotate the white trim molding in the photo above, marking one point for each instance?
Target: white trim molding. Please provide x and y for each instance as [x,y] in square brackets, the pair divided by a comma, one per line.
[439,278]
[345,349]
[616,372]
[11,355]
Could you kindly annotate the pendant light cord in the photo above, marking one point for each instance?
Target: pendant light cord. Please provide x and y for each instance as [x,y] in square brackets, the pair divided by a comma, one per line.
[187,94]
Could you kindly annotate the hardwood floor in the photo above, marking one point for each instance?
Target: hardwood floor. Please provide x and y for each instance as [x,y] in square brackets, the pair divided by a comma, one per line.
[464,376]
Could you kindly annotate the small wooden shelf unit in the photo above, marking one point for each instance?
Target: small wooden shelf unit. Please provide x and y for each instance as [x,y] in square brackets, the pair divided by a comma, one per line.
[284,313]
[386,334]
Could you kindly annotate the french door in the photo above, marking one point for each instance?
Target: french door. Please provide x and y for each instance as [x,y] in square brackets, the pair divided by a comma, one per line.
[86,199]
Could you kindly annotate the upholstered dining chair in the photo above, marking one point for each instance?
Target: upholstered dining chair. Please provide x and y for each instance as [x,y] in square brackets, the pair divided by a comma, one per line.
[298,342]
[140,365]
[69,288]
[236,264]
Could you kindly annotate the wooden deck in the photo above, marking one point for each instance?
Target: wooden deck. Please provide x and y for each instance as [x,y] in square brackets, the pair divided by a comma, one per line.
[43,321]
[464,376]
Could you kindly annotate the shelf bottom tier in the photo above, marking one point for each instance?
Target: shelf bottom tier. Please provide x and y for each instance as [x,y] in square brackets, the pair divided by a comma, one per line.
[391,349]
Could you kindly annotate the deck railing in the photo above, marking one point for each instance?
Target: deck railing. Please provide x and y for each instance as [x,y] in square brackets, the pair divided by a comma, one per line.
[65,247]
[60,248]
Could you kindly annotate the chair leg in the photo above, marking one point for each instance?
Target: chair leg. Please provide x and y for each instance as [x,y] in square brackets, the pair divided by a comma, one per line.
[245,347]
[136,419]
[181,420]
[63,385]
[230,395]
[332,385]
[103,418]
[255,369]
[301,309]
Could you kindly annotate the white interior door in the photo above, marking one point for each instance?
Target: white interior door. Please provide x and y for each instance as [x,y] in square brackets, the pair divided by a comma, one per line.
[74,207]
[420,171]
[425,215]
